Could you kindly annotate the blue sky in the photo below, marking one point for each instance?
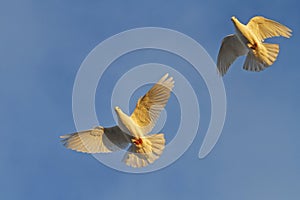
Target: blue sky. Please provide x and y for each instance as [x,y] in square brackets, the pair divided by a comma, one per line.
[42,46]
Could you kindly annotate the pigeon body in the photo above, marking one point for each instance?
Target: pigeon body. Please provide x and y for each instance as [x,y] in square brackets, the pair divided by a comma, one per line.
[249,40]
[145,148]
[132,131]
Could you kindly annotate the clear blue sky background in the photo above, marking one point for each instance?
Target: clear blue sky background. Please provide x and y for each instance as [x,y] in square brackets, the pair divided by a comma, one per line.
[42,45]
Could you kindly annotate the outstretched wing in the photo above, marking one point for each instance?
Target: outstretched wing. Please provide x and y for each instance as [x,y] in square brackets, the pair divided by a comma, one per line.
[230,49]
[265,28]
[149,106]
[97,140]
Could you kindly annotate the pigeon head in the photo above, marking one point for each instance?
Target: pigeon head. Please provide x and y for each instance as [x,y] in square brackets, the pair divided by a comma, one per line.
[234,20]
[119,111]
[237,24]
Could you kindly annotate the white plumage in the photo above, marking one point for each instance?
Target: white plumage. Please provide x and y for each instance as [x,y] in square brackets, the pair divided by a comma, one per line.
[249,40]
[131,130]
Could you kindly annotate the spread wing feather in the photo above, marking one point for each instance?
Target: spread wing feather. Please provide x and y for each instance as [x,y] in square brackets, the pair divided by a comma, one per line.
[265,28]
[230,49]
[97,140]
[149,106]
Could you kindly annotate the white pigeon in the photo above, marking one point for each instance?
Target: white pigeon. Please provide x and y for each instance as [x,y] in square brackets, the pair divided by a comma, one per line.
[131,130]
[249,39]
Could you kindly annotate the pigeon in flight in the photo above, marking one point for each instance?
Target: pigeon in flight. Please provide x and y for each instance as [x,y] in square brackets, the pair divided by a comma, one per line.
[249,39]
[132,130]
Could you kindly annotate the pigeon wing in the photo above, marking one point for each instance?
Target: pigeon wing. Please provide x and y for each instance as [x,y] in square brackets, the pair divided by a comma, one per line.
[230,49]
[149,106]
[97,140]
[265,28]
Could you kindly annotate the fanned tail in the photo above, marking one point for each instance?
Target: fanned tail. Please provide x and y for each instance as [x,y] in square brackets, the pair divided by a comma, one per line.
[261,57]
[267,53]
[272,52]
[145,150]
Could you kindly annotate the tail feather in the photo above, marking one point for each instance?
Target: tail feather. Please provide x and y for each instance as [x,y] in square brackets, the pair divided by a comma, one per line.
[253,64]
[262,57]
[146,151]
[272,52]
[266,53]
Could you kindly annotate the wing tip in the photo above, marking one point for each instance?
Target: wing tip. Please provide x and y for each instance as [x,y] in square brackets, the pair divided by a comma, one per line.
[167,81]
[64,136]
